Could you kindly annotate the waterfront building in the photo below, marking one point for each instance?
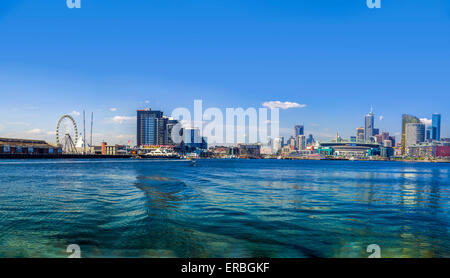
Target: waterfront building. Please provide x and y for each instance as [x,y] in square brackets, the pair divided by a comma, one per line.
[193,140]
[349,149]
[376,131]
[327,151]
[299,130]
[9,146]
[353,139]
[436,127]
[311,154]
[429,149]
[150,127]
[374,152]
[407,119]
[386,152]
[266,150]
[360,134]
[249,150]
[385,136]
[415,133]
[285,150]
[115,149]
[369,126]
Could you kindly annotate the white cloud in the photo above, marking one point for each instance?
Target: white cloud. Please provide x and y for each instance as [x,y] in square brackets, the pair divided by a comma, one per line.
[147,101]
[381,118]
[113,109]
[125,136]
[283,105]
[122,119]
[35,131]
[426,121]
[75,113]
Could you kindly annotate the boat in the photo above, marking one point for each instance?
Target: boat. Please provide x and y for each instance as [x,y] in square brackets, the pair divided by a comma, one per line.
[160,154]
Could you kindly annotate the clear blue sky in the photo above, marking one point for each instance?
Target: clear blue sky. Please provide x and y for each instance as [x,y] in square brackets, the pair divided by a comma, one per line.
[336,56]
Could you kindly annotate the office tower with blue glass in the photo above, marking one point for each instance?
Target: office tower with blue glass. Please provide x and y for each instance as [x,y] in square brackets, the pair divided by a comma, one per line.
[299,130]
[436,127]
[150,127]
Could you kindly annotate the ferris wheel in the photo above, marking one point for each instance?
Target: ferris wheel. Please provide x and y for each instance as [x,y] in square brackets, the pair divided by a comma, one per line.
[67,134]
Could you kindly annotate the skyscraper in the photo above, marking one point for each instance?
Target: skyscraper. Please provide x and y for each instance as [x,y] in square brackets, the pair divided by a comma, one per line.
[310,140]
[150,127]
[428,133]
[301,142]
[436,127]
[407,119]
[415,133]
[168,140]
[299,130]
[368,126]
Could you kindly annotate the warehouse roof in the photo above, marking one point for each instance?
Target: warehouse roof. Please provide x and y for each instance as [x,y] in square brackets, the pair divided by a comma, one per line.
[24,143]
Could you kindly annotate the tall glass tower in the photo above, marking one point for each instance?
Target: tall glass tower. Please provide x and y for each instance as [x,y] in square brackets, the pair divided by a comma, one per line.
[368,126]
[299,130]
[436,127]
[149,127]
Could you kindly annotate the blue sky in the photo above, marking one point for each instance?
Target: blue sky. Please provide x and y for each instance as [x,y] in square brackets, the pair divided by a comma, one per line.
[336,56]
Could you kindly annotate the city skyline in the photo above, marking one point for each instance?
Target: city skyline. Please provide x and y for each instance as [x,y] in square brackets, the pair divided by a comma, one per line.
[112,60]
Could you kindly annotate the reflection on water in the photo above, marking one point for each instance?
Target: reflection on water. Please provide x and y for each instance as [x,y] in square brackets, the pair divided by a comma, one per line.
[224,208]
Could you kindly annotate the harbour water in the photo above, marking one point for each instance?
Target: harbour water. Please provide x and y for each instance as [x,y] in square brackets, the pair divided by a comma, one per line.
[223,208]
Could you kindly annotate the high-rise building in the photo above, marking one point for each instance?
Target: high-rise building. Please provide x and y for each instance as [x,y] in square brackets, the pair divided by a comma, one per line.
[385,136]
[415,133]
[292,143]
[301,142]
[368,126]
[436,124]
[299,130]
[428,133]
[192,138]
[277,145]
[150,127]
[168,140]
[360,134]
[310,140]
[407,119]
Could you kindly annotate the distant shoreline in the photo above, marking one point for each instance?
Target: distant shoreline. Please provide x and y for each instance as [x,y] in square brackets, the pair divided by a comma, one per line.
[99,157]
